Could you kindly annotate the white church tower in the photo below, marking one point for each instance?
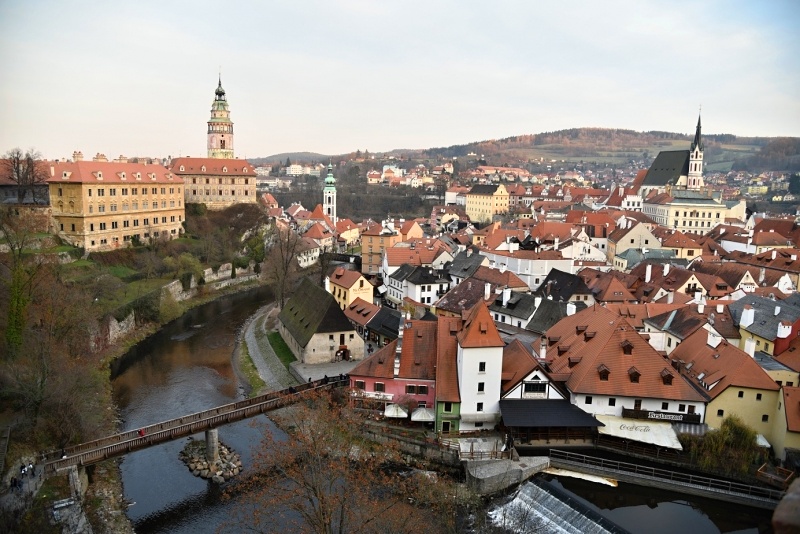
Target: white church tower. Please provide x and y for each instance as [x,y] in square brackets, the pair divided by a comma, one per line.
[329,196]
[695,176]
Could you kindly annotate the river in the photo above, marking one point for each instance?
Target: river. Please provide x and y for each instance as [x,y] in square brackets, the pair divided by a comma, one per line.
[186,367]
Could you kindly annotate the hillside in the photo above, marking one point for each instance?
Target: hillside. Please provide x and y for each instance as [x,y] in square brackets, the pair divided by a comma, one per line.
[294,157]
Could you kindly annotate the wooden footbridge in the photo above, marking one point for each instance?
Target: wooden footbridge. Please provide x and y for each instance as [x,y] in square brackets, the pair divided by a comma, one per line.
[148,436]
[714,488]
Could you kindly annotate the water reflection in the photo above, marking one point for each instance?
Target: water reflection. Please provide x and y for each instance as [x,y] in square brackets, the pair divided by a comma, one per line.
[184,368]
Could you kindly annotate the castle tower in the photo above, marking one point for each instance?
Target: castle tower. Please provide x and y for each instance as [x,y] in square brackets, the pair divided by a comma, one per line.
[329,195]
[220,127]
[695,176]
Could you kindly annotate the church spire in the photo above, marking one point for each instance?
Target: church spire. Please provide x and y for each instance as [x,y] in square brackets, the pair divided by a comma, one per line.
[698,142]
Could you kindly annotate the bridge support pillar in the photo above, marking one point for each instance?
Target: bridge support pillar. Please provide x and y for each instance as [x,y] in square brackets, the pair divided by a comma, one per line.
[212,445]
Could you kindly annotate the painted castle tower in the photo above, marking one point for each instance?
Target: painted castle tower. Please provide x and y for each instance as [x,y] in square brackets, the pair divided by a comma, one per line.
[220,127]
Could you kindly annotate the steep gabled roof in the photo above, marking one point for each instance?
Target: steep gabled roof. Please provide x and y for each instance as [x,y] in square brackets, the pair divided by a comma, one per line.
[713,369]
[345,277]
[360,311]
[386,322]
[466,263]
[499,278]
[668,166]
[518,363]
[312,310]
[560,285]
[446,360]
[479,329]
[595,338]
[378,365]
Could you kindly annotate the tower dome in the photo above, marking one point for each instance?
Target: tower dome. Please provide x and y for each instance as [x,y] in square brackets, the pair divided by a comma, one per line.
[329,179]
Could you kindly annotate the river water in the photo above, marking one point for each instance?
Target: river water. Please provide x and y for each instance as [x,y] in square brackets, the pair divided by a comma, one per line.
[186,368]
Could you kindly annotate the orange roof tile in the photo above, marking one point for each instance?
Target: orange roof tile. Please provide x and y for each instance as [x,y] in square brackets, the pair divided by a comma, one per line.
[345,277]
[213,166]
[791,400]
[109,172]
[479,329]
[446,360]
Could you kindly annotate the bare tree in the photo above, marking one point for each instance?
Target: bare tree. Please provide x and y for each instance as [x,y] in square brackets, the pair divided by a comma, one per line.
[328,479]
[28,171]
[280,266]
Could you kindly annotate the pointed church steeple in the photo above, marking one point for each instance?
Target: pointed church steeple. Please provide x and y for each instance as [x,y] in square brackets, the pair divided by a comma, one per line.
[698,142]
[695,177]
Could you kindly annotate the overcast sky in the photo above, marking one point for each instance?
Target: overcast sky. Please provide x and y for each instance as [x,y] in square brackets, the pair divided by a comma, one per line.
[138,77]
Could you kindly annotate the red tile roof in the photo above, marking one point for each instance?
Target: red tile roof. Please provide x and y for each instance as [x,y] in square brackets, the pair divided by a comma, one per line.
[360,311]
[446,360]
[109,172]
[791,401]
[479,329]
[345,277]
[580,344]
[213,167]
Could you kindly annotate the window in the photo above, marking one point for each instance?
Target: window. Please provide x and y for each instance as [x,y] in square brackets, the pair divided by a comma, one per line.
[448,407]
[741,394]
[764,418]
[681,407]
[691,408]
[588,399]
[612,401]
[114,225]
[481,388]
[758,396]
[112,192]
[535,387]
[720,413]
[379,386]
[665,406]
[482,367]
[422,390]
[480,407]
[411,389]
[101,192]
[102,226]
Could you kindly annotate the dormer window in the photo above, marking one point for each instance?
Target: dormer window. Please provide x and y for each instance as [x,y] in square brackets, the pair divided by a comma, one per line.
[122,176]
[634,374]
[603,371]
[553,340]
[581,329]
[99,175]
[588,335]
[224,169]
[627,347]
[573,361]
[666,377]
[203,168]
[182,169]
[562,349]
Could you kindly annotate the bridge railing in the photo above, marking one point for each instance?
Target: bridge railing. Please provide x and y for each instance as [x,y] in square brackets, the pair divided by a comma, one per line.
[122,443]
[713,484]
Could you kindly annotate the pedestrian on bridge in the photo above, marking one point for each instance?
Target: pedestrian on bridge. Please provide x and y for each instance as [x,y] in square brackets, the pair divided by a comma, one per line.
[141,432]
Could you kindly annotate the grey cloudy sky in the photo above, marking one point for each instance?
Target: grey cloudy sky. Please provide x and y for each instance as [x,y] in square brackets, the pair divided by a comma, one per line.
[138,77]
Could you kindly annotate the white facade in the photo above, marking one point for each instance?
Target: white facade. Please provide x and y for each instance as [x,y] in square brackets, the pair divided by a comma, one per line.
[531,271]
[479,378]
[534,386]
[602,405]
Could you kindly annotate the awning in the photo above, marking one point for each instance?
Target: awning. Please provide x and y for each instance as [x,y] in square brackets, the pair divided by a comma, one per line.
[382,289]
[395,410]
[761,441]
[426,415]
[645,431]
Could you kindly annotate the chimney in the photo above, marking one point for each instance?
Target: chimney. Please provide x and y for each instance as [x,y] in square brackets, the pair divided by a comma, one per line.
[327,284]
[100,157]
[777,310]
[713,340]
[774,253]
[398,352]
[506,296]
[670,297]
[555,244]
[721,231]
[720,308]
[543,348]
[750,346]
[701,307]
[487,291]
[469,252]
[648,273]
[537,301]
[784,329]
[748,316]
[502,267]
[762,273]
[77,155]
[570,308]
[666,269]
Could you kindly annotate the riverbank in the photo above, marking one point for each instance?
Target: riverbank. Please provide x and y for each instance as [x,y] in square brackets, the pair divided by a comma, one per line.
[103,503]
